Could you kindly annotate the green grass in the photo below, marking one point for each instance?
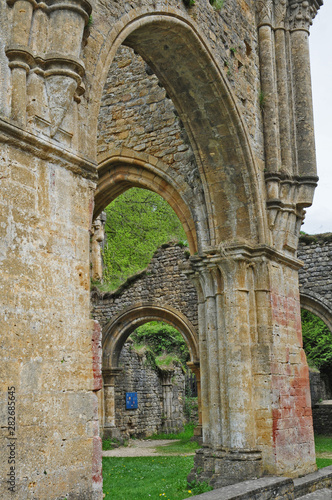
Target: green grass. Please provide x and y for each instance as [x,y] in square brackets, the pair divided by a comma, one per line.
[186,434]
[144,478]
[323,444]
[323,462]
[182,446]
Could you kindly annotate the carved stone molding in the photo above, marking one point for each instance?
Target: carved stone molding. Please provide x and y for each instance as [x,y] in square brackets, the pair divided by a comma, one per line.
[280,11]
[264,11]
[302,12]
[53,55]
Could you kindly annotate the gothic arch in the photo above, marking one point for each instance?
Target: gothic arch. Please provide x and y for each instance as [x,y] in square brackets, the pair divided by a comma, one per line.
[121,171]
[180,57]
[317,305]
[123,324]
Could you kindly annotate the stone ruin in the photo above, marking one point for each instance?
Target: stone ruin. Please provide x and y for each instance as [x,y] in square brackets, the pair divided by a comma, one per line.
[235,96]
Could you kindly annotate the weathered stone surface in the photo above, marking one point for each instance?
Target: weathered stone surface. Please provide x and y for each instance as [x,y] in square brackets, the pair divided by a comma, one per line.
[240,82]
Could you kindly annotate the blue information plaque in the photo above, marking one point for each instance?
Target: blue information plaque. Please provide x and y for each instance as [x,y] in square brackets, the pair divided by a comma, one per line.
[131,401]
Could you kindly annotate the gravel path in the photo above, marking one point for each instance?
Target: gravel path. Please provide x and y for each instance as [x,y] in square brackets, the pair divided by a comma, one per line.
[143,448]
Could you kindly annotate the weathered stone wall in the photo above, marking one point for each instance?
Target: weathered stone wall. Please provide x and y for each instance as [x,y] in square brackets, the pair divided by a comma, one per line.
[48,352]
[322,415]
[319,386]
[233,41]
[138,376]
[162,281]
[52,77]
[316,274]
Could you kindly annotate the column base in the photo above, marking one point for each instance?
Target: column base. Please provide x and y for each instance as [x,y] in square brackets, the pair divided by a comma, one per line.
[112,433]
[171,426]
[221,468]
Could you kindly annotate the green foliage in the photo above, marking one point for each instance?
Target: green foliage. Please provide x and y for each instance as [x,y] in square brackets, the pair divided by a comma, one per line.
[190,407]
[141,478]
[317,341]
[217,4]
[189,3]
[261,99]
[161,337]
[138,222]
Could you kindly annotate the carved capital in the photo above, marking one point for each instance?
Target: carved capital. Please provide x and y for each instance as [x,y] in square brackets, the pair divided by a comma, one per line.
[302,13]
[280,11]
[264,12]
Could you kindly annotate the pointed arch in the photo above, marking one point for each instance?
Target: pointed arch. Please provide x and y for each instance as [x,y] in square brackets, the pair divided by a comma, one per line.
[122,170]
[180,56]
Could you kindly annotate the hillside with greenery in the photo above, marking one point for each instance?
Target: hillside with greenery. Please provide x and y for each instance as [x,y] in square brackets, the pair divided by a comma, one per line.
[137,223]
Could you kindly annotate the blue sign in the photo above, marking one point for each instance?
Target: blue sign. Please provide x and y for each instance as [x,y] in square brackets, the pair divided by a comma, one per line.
[131,401]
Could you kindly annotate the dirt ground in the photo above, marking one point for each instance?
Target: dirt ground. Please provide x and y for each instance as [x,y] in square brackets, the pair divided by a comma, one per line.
[143,448]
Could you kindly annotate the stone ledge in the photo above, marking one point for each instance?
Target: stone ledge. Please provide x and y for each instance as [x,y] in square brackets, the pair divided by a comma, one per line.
[313,482]
[265,488]
[278,488]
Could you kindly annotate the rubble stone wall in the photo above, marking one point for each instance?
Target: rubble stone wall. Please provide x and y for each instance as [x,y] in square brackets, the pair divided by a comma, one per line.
[138,376]
[162,281]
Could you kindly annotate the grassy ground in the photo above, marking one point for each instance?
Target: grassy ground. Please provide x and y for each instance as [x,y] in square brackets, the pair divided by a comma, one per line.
[323,446]
[145,478]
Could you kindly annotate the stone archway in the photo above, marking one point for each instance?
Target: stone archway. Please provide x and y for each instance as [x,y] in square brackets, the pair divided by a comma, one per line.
[319,306]
[115,334]
[128,169]
[255,156]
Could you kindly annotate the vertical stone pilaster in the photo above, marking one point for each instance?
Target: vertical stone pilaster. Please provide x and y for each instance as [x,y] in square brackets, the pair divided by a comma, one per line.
[109,376]
[195,368]
[231,452]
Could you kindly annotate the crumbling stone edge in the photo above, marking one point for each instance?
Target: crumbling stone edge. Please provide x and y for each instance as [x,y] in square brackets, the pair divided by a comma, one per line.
[276,488]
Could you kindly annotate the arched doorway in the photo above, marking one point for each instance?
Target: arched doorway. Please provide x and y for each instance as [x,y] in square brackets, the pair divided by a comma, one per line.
[115,334]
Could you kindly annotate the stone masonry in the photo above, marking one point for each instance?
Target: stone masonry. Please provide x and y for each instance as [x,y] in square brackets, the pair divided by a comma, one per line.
[150,416]
[316,275]
[239,79]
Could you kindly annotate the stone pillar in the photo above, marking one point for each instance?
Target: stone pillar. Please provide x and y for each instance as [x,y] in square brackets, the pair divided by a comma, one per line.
[268,96]
[20,57]
[229,452]
[300,18]
[97,238]
[194,367]
[109,376]
[166,382]
[261,385]
[283,85]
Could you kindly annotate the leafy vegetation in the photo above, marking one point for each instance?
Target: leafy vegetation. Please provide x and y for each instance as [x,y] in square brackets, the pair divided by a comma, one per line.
[137,223]
[161,337]
[317,341]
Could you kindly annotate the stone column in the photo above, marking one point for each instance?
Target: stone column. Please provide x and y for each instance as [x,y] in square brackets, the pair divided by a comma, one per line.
[97,238]
[300,18]
[20,57]
[166,382]
[229,452]
[283,87]
[109,376]
[194,367]
[268,96]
